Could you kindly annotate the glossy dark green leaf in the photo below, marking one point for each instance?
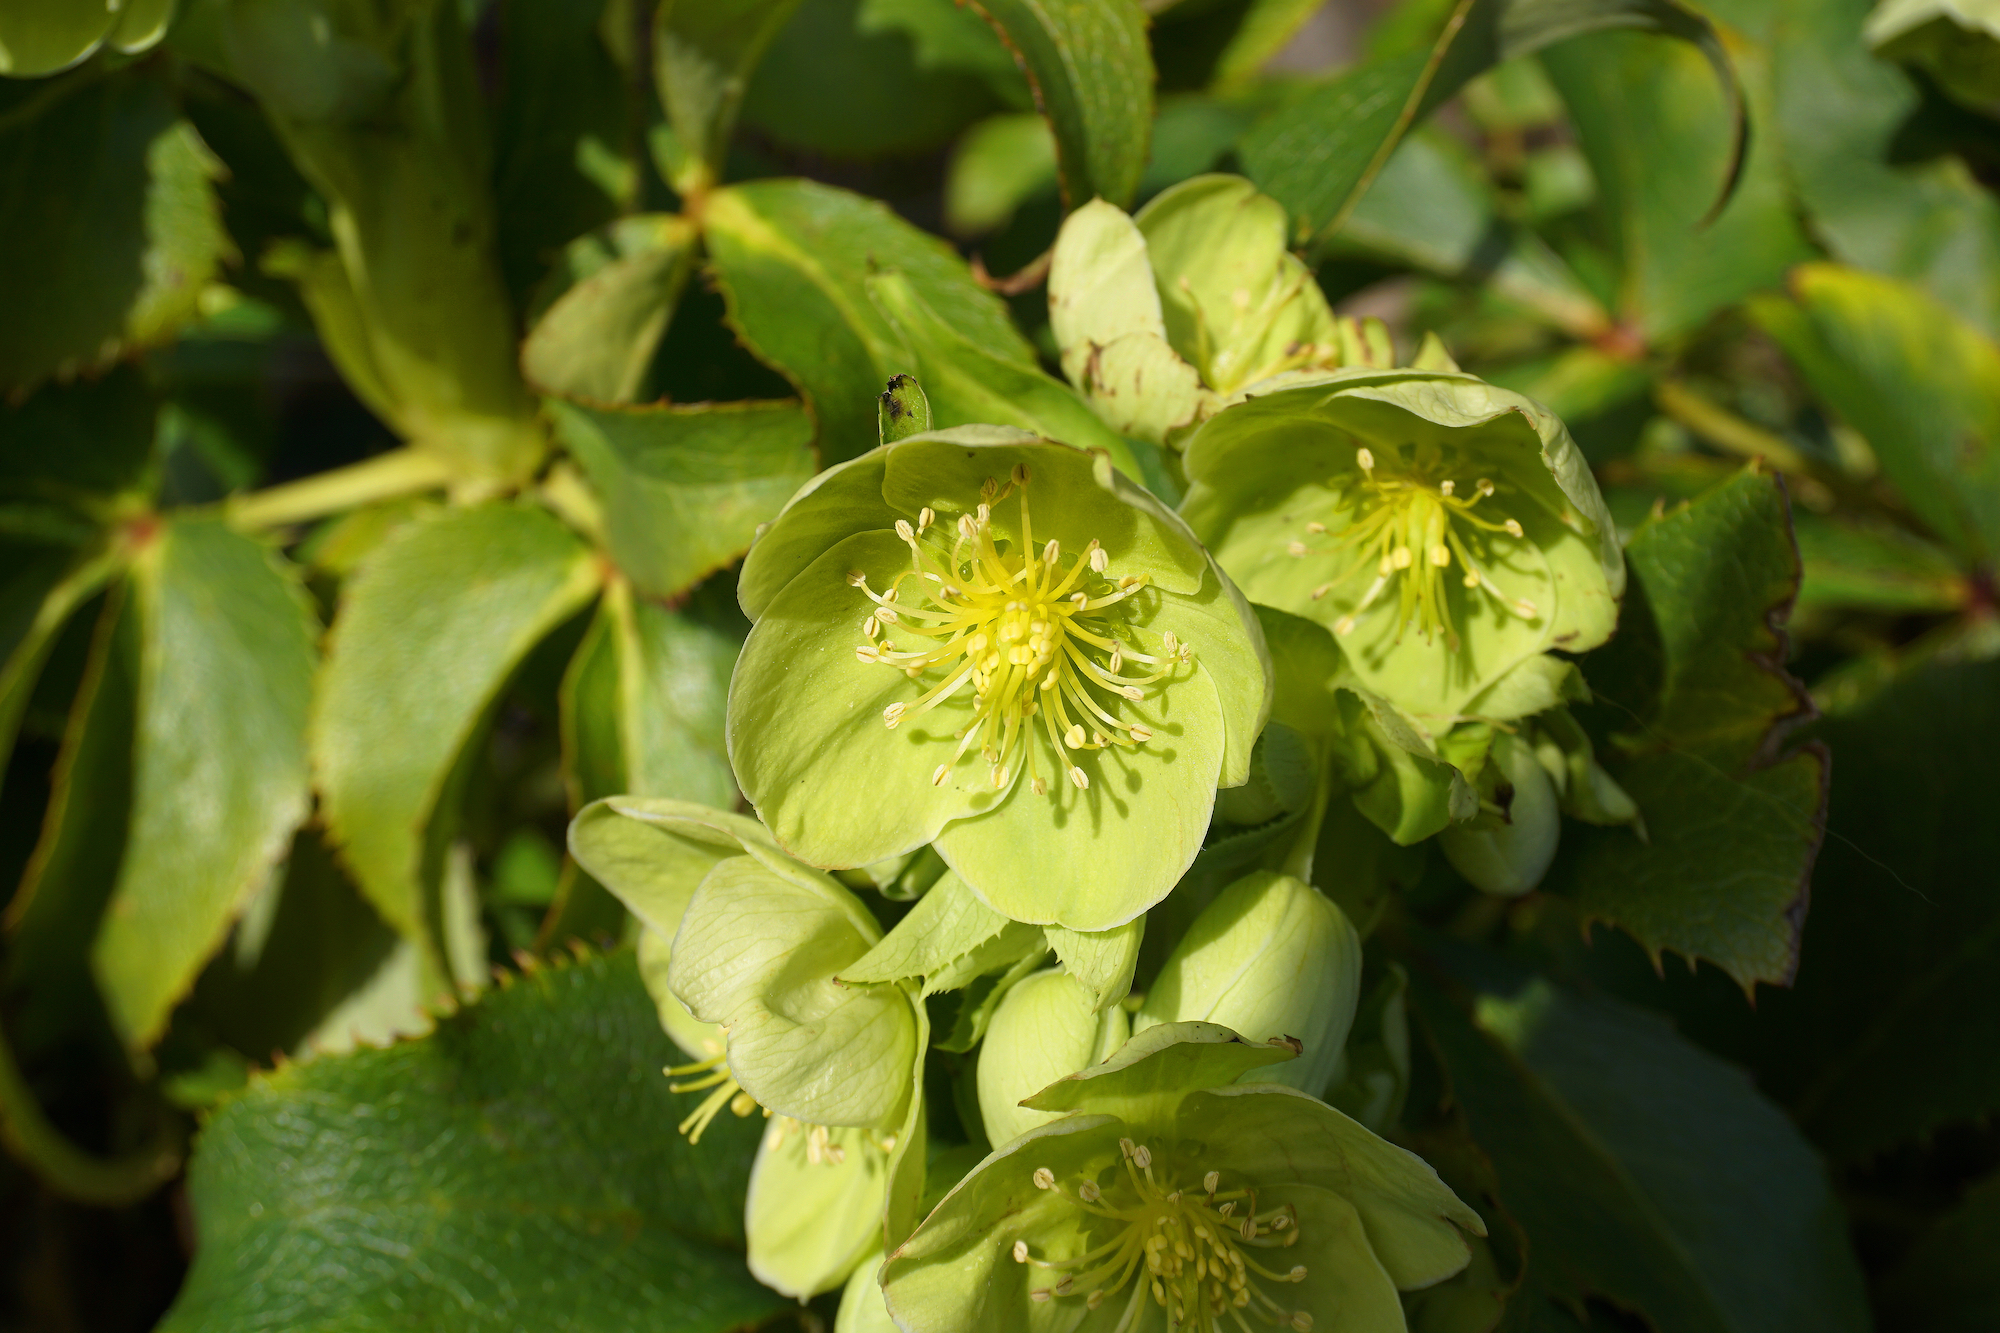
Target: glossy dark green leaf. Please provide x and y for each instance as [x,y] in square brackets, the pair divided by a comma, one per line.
[1643,1171]
[1092,75]
[1919,382]
[703,54]
[684,488]
[596,339]
[1901,897]
[108,258]
[517,1168]
[1695,691]
[426,635]
[1947,1283]
[1318,150]
[226,658]
[793,258]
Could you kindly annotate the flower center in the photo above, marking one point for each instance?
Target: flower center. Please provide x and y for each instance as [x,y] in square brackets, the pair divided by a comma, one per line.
[1189,1249]
[1408,523]
[1030,631]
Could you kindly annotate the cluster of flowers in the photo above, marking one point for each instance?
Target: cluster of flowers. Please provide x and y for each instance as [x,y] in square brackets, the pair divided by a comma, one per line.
[1003,692]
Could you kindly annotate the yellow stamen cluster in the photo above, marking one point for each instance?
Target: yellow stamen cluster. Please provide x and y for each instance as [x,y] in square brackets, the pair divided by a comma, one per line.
[1409,522]
[723,1090]
[1188,1248]
[1025,627]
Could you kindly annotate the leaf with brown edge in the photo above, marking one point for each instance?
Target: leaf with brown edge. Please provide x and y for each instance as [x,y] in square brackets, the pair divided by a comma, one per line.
[1695,702]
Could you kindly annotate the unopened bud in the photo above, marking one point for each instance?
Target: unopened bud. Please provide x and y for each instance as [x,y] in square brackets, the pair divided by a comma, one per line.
[1046,1028]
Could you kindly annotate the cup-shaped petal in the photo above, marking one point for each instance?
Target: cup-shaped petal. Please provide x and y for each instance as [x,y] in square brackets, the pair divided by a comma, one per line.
[1446,530]
[997,644]
[814,1209]
[1510,857]
[759,950]
[1270,957]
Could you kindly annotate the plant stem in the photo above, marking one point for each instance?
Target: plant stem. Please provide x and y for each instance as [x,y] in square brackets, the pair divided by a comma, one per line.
[1299,864]
[110,1182]
[387,476]
[1725,430]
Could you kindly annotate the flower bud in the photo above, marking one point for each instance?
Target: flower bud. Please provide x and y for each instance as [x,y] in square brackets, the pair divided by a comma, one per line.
[1045,1029]
[1510,858]
[1270,957]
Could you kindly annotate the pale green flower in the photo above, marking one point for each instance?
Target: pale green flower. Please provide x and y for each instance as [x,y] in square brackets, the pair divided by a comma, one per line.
[1449,532]
[756,942]
[1172,1196]
[1163,315]
[1270,957]
[996,644]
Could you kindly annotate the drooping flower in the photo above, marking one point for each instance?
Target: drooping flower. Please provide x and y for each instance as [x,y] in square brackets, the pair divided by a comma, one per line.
[996,644]
[756,942]
[1172,1196]
[1446,530]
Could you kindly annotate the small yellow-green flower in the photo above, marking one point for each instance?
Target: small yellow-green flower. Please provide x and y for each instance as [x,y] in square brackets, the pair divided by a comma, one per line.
[1162,316]
[1172,1196]
[994,643]
[1446,530]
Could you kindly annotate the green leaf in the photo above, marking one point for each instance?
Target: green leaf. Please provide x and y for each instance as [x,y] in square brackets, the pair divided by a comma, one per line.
[1318,150]
[684,488]
[596,340]
[970,383]
[1919,382]
[997,166]
[226,656]
[113,257]
[54,913]
[703,54]
[1841,115]
[1643,1170]
[793,259]
[564,141]
[552,1191]
[37,598]
[1873,568]
[426,635]
[947,923]
[1092,74]
[1267,26]
[1695,688]
[1946,1283]
[1901,897]
[1657,136]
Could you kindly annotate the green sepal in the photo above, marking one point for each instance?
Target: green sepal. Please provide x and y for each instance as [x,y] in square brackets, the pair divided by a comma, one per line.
[1103,960]
[1144,1083]
[904,409]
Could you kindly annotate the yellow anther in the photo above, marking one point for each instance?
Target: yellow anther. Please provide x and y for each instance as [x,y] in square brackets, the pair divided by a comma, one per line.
[939,774]
[925,517]
[856,579]
[1211,1181]
[1440,555]
[1020,1251]
[1400,558]
[1141,734]
[893,713]
[1365,458]
[1316,528]
[1447,486]
[1044,1178]
[905,531]
[1080,778]
[1513,527]
[1296,549]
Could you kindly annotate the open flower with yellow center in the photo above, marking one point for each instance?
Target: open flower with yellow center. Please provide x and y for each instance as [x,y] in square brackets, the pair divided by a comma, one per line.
[748,943]
[1170,1196]
[997,644]
[1447,531]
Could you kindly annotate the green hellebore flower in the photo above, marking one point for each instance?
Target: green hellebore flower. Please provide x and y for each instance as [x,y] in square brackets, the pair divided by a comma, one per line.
[1048,1026]
[994,643]
[1173,1196]
[1270,957]
[756,941]
[1449,532]
[1510,857]
[1163,315]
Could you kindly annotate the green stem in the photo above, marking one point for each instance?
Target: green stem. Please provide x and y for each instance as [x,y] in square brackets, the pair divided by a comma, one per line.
[1299,864]
[387,476]
[1724,429]
[108,1182]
